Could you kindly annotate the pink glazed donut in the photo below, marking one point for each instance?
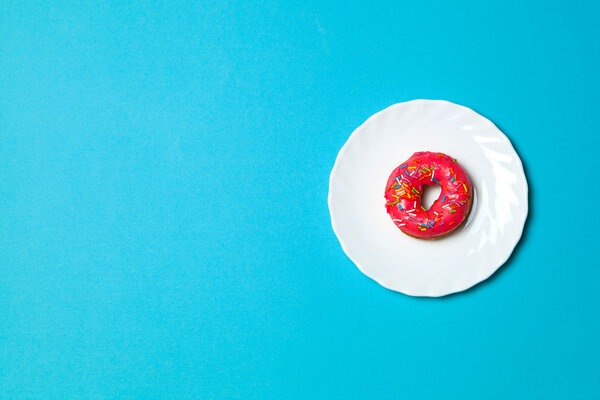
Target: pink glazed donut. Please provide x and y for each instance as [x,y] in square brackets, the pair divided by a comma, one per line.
[403,195]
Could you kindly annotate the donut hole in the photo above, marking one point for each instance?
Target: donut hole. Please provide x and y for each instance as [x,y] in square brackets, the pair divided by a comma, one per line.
[429,194]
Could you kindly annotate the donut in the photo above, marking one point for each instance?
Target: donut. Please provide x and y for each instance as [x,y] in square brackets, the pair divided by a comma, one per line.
[403,195]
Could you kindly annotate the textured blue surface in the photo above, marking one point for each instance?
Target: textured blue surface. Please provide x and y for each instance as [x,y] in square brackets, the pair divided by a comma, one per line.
[164,230]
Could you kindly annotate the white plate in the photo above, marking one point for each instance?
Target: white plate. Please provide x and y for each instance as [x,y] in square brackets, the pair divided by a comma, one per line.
[419,267]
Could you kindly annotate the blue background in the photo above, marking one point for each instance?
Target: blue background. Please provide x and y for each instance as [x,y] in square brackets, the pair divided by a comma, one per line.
[164,230]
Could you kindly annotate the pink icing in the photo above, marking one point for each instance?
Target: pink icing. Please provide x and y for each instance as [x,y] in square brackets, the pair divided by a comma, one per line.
[404,188]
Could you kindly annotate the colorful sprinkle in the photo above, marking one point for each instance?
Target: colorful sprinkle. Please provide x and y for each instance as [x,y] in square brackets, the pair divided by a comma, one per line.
[444,199]
[404,166]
